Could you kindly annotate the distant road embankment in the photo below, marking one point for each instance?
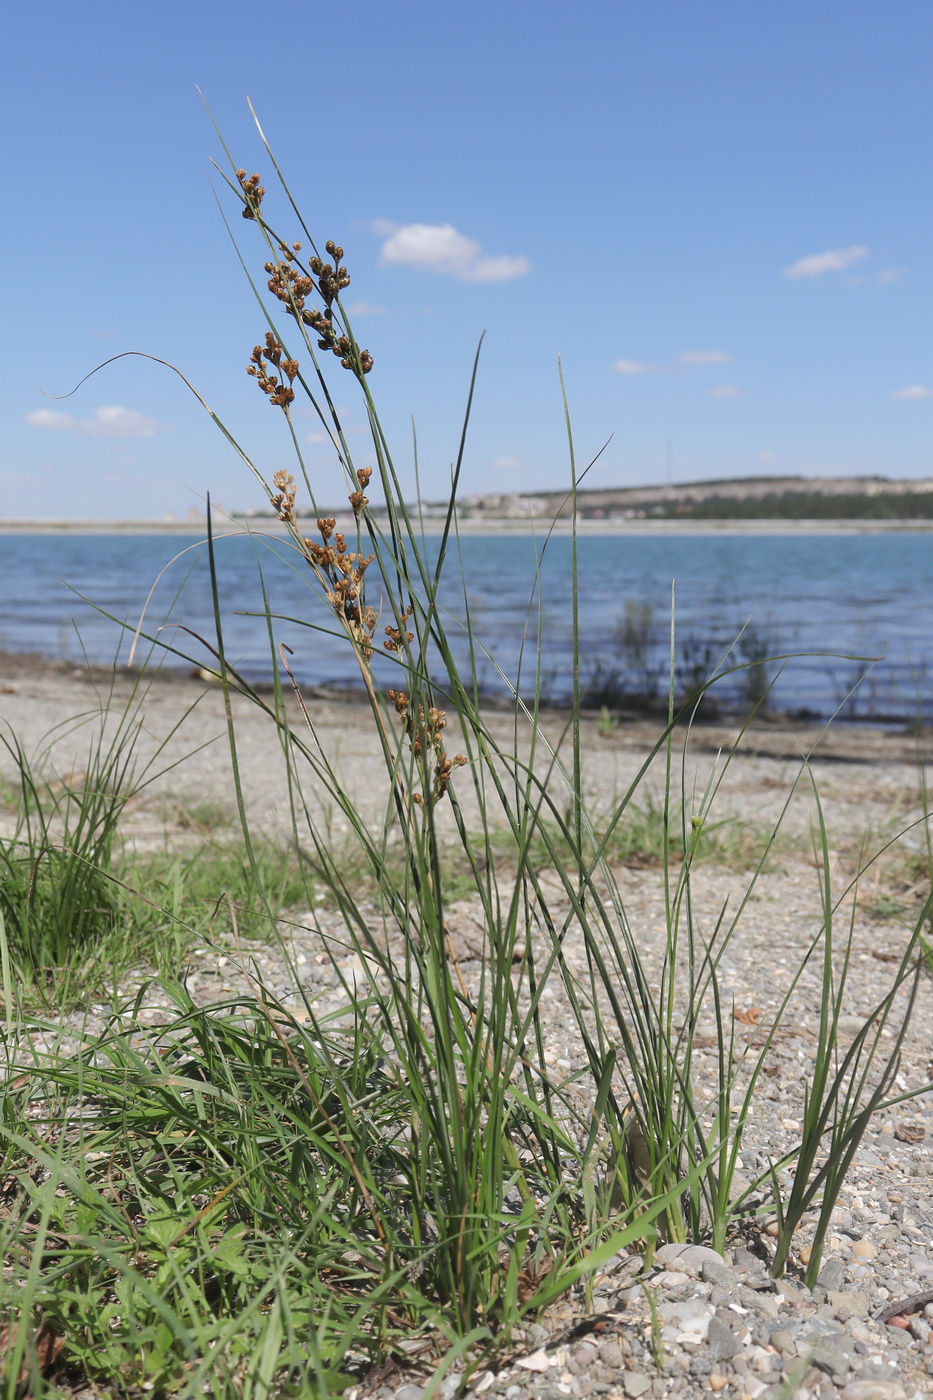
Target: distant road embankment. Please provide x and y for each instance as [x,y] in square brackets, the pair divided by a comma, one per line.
[776,505]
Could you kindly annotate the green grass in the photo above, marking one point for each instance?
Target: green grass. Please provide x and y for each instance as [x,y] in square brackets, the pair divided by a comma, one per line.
[268,1204]
[212,889]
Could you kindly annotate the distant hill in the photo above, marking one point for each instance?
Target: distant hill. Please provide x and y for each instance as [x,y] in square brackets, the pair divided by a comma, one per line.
[740,498]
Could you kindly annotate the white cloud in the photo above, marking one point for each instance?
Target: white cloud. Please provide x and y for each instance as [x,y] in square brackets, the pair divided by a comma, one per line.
[836,260]
[766,456]
[501,268]
[916,391]
[441,248]
[630,367]
[889,275]
[507,463]
[110,420]
[704,357]
[725,391]
[365,308]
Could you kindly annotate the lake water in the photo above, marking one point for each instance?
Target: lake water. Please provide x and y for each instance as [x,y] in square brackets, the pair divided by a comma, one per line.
[860,596]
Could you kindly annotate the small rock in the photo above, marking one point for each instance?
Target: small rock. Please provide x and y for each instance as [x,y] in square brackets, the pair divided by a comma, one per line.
[537,1361]
[876,1371]
[636,1383]
[761,1304]
[874,1390]
[899,1321]
[409,1392]
[864,1249]
[789,1288]
[858,1328]
[688,1320]
[920,1329]
[846,1305]
[721,1342]
[718,1381]
[718,1273]
[610,1354]
[784,1342]
[687,1258]
[830,1355]
[832,1277]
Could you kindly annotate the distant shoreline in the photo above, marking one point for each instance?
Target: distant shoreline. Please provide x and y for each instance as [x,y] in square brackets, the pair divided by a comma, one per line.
[538,526]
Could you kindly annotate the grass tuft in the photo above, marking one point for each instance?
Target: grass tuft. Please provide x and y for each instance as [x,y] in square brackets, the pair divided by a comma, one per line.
[263,1199]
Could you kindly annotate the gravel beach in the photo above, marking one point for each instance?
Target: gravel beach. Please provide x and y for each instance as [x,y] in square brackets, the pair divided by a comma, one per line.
[722,1325]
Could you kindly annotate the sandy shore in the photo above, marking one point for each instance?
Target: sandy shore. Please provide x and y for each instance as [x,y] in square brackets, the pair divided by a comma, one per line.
[881,1245]
[865,775]
[867,778]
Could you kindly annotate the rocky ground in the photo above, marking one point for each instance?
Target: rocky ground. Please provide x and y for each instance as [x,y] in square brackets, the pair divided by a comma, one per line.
[693,1322]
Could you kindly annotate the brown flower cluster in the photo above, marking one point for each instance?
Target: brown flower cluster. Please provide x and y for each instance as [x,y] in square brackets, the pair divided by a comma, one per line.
[263,361]
[342,571]
[283,502]
[253,192]
[293,287]
[424,730]
[396,636]
[356,498]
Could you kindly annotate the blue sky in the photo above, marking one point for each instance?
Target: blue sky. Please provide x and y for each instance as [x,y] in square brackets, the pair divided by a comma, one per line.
[718,214]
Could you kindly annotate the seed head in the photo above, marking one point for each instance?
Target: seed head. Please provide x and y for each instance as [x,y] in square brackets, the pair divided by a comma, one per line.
[397,637]
[284,501]
[253,193]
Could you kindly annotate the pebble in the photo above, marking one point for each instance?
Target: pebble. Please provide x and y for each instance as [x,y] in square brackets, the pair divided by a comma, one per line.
[874,1390]
[687,1258]
[722,1343]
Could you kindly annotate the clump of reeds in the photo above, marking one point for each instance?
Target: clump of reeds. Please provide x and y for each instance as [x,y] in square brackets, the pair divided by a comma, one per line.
[308,1193]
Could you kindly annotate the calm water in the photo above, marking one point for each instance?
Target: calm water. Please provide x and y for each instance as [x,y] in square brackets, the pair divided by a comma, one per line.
[861,595]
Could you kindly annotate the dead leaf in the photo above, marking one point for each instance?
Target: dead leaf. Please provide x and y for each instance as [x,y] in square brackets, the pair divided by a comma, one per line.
[751,1017]
[42,1352]
[910,1132]
[531,1276]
